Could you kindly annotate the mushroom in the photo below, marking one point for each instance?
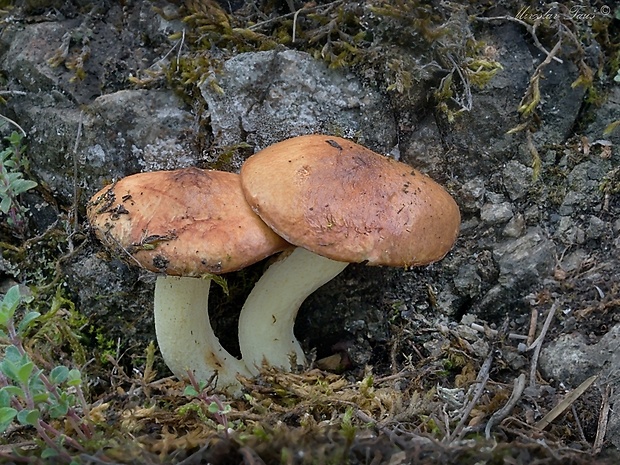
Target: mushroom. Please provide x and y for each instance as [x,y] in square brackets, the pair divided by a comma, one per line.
[187,225]
[339,203]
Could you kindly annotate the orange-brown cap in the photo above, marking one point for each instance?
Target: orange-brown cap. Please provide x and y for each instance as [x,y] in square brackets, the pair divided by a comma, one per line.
[348,203]
[187,222]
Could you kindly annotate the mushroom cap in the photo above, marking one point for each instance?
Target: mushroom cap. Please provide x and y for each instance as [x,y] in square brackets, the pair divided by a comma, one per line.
[186,222]
[348,203]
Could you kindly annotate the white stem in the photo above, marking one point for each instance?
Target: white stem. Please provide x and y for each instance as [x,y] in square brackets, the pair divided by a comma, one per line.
[185,336]
[268,315]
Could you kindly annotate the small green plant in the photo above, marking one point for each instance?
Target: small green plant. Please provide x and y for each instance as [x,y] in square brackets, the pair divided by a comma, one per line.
[13,184]
[215,406]
[32,398]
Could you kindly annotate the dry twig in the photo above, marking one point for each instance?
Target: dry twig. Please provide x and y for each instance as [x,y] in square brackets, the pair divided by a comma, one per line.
[530,28]
[567,402]
[533,324]
[74,207]
[494,332]
[481,381]
[601,430]
[537,344]
[582,435]
[9,120]
[499,415]
[294,14]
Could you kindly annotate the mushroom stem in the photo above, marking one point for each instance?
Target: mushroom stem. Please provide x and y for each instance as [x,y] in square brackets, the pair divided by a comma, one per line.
[185,336]
[268,315]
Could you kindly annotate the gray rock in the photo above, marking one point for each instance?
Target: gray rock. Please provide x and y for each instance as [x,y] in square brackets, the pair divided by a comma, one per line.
[573,261]
[114,49]
[532,214]
[522,263]
[482,139]
[472,194]
[603,116]
[468,281]
[569,232]
[582,175]
[493,214]
[517,179]
[29,48]
[494,197]
[515,227]
[265,97]
[596,227]
[529,257]
[114,296]
[560,102]
[122,133]
[569,359]
[424,149]
[152,126]
[583,187]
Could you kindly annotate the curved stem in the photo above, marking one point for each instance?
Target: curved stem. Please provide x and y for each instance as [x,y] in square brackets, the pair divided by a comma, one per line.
[185,336]
[268,315]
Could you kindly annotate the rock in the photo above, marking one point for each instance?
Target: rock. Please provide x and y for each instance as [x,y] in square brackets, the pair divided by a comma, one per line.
[468,281]
[424,149]
[605,114]
[515,227]
[121,133]
[569,232]
[532,214]
[573,261]
[560,101]
[484,137]
[583,187]
[522,263]
[265,97]
[153,126]
[41,56]
[517,179]
[116,298]
[529,257]
[596,227]
[28,50]
[493,214]
[472,195]
[570,360]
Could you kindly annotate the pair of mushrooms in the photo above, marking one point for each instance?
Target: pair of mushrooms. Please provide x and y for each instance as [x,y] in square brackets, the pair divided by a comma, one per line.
[322,201]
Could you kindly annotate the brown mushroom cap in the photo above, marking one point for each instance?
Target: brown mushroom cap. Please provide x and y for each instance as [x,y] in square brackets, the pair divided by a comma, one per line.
[348,203]
[187,222]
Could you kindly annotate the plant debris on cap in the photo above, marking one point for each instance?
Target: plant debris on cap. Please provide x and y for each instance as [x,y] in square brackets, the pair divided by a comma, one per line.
[348,203]
[187,222]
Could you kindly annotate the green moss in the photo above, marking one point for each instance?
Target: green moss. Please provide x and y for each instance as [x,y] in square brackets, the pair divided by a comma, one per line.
[595,96]
[391,43]
[610,184]
[105,346]
[226,155]
[59,328]
[73,52]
